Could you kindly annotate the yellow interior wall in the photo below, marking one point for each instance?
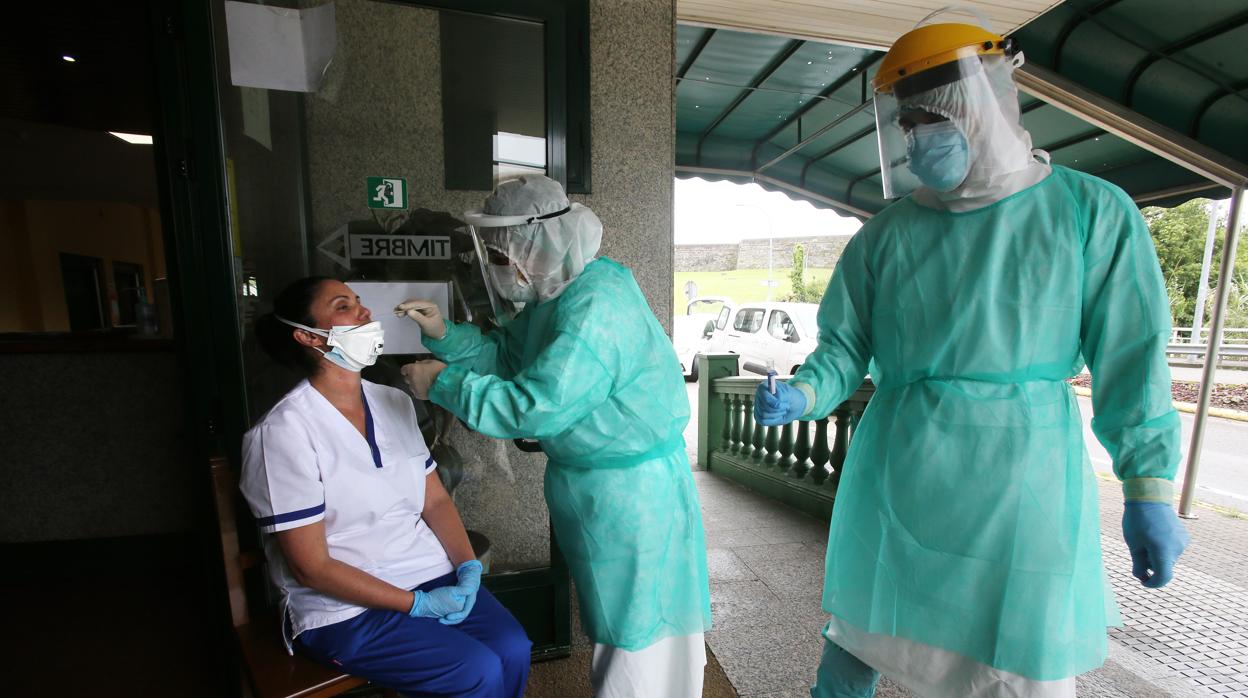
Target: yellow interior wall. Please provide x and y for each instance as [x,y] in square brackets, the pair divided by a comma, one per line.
[38,231]
[21,310]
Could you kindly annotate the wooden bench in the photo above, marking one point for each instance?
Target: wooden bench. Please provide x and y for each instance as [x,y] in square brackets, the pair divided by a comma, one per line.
[270,671]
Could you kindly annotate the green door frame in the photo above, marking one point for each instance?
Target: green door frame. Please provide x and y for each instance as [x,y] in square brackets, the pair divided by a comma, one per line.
[191,171]
[191,206]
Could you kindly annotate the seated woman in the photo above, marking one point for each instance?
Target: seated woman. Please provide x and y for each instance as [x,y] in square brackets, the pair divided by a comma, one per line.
[376,573]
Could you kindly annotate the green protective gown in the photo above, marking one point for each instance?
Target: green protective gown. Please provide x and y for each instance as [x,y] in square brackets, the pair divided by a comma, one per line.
[967,518]
[592,375]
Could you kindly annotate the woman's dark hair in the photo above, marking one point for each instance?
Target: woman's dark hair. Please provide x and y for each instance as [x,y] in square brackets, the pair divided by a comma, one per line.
[294,303]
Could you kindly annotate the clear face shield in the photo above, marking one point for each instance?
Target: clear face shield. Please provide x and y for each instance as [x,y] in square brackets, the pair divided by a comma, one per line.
[508,283]
[920,142]
[503,309]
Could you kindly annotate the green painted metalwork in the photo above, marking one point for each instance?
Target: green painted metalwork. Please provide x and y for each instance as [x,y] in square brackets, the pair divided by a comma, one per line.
[788,463]
[771,445]
[717,413]
[801,451]
[1179,64]
[820,454]
[785,459]
[756,437]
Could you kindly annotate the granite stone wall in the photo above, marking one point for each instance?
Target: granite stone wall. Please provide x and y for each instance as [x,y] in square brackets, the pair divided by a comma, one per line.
[93,446]
[364,122]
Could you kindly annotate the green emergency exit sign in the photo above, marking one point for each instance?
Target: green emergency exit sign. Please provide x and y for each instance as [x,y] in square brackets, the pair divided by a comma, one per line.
[387,192]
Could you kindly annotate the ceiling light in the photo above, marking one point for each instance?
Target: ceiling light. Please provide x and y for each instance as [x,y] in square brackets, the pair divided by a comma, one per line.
[135,138]
[69,59]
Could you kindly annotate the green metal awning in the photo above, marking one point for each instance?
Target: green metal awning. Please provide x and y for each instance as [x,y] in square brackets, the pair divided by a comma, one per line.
[745,99]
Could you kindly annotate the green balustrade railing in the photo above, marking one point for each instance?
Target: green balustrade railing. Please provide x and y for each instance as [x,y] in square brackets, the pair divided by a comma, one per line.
[799,464]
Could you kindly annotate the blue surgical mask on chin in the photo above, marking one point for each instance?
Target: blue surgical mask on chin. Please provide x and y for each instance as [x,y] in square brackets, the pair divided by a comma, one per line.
[939,155]
[335,356]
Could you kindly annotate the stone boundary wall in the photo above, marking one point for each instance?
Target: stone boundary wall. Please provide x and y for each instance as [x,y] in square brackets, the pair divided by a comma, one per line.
[821,252]
[706,257]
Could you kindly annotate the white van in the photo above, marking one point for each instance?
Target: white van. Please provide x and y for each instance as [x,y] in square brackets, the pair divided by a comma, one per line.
[782,334]
[690,331]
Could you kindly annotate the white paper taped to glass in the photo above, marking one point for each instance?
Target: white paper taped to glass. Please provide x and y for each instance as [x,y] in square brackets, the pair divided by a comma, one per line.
[380,297]
[276,48]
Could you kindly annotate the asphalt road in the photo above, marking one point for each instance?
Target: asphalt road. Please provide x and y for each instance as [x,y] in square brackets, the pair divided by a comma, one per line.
[1222,478]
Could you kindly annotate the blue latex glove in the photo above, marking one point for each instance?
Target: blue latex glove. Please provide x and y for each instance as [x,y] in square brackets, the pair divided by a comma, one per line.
[785,406]
[1155,538]
[469,583]
[437,603]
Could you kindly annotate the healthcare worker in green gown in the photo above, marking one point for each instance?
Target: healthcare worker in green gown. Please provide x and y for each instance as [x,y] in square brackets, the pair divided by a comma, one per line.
[587,370]
[964,554]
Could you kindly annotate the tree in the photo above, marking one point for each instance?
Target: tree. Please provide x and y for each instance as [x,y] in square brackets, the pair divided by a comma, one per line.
[1179,235]
[1236,301]
[802,292]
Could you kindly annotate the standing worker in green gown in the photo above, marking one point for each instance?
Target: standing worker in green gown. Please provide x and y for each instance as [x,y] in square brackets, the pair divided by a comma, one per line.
[964,555]
[587,370]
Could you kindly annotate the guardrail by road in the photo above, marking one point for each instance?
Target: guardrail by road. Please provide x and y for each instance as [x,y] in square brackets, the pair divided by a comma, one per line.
[1232,354]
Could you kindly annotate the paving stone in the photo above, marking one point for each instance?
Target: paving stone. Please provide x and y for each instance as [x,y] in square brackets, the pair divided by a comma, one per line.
[1188,639]
[744,605]
[792,693]
[797,533]
[771,552]
[724,566]
[733,539]
[768,659]
[887,689]
[796,578]
[734,521]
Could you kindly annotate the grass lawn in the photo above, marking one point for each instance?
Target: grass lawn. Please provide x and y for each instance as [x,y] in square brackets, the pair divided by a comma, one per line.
[741,285]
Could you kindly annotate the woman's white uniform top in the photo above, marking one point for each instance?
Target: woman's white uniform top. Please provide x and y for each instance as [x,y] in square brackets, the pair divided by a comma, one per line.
[305,462]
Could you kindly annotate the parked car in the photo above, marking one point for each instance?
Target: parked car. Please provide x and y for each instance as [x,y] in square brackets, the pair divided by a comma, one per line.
[690,331]
[782,334]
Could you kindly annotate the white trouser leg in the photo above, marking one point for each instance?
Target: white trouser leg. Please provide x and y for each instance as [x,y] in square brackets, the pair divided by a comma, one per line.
[670,668]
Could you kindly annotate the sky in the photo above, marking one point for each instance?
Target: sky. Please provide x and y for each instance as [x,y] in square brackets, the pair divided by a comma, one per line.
[726,212]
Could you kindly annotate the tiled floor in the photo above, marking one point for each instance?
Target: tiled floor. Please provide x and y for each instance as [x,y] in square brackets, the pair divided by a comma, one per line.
[1197,627]
[766,568]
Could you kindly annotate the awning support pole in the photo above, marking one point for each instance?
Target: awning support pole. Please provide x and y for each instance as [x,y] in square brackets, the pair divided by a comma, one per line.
[1225,275]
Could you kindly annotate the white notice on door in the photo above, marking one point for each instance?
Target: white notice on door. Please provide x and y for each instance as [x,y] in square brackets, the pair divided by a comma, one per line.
[279,49]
